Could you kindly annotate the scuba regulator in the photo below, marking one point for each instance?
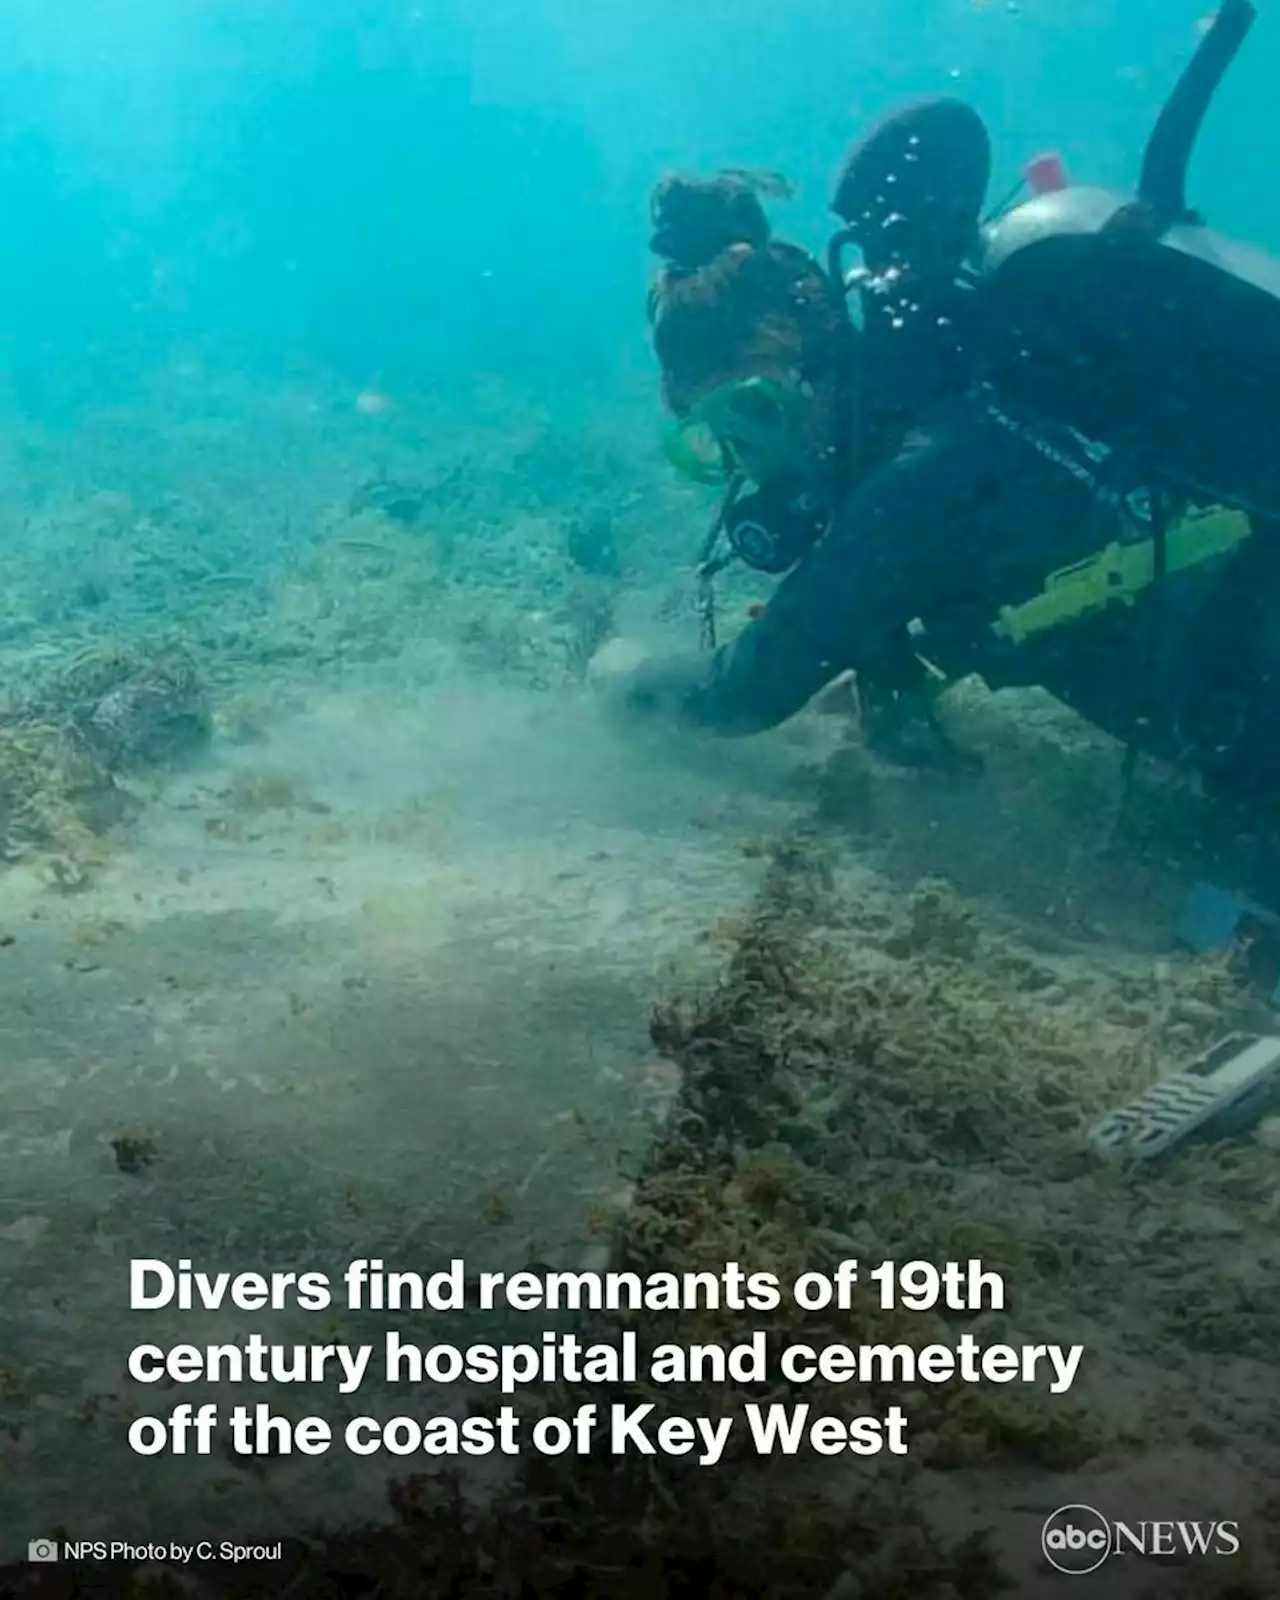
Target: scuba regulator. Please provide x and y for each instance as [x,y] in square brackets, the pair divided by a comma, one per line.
[773,528]
[769,529]
[750,430]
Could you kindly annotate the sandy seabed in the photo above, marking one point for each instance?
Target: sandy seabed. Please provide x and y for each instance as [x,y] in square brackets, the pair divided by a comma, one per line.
[375,974]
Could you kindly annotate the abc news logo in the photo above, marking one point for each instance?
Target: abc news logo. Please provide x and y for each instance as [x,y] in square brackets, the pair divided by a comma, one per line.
[1078,1539]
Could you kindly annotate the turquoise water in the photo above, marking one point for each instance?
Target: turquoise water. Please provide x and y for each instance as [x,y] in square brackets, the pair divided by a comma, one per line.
[414,189]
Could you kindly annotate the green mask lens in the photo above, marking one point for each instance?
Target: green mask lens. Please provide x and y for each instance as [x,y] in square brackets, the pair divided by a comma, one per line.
[756,420]
[695,452]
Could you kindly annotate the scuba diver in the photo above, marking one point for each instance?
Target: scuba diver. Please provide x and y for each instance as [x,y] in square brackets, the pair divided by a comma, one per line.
[1043,453]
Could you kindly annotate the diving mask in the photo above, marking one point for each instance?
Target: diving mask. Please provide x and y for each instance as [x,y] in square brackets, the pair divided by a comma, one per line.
[754,428]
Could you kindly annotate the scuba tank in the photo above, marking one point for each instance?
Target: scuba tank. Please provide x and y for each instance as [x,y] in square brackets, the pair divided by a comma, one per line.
[1130,321]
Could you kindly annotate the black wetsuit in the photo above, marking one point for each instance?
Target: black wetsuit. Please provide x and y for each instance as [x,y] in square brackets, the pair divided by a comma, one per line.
[966,515]
[973,512]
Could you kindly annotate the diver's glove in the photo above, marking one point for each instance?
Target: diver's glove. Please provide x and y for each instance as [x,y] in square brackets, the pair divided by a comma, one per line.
[663,686]
[615,660]
[635,683]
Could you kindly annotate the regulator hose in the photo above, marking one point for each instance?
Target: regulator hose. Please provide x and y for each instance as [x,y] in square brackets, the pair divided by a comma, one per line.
[1162,187]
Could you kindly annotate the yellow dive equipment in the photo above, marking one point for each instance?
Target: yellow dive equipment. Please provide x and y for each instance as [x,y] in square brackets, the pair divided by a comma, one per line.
[1120,574]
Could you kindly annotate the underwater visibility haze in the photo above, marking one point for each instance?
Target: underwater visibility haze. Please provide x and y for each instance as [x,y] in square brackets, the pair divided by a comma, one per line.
[350,909]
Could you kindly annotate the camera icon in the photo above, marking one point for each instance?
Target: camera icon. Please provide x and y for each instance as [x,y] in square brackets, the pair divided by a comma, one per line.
[42,1549]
